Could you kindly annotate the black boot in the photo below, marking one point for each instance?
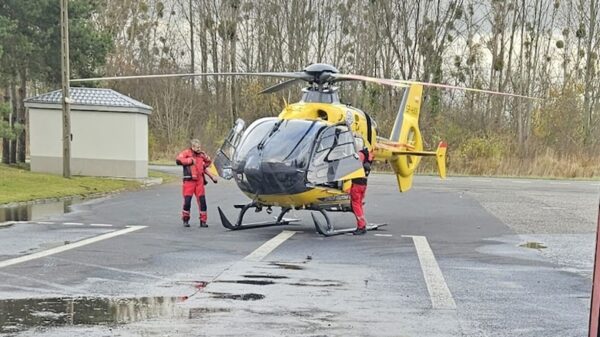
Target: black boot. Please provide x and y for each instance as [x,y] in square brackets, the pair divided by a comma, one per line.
[360,231]
[186,223]
[203,224]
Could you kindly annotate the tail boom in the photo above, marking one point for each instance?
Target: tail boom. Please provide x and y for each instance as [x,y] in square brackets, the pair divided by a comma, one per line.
[393,152]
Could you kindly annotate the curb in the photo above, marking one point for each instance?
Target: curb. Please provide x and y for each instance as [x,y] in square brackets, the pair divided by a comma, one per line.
[7,224]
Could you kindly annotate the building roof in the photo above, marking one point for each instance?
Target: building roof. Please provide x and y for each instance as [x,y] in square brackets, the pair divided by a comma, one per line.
[91,99]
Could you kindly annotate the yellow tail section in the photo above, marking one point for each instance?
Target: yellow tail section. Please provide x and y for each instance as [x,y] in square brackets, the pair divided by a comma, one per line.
[406,131]
[440,157]
[404,149]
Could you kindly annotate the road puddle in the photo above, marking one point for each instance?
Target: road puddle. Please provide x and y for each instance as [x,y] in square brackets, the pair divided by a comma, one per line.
[533,245]
[266,276]
[317,283]
[36,211]
[288,266]
[251,282]
[238,297]
[22,314]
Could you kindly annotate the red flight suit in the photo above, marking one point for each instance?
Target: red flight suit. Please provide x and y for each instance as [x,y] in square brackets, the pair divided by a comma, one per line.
[194,167]
[359,188]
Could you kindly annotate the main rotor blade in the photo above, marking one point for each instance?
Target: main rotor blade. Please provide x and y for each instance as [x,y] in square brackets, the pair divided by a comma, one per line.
[382,81]
[294,75]
[279,86]
[406,83]
[447,86]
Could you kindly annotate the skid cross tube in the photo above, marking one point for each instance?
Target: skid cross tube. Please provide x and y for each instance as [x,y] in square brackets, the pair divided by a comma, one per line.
[327,229]
[240,225]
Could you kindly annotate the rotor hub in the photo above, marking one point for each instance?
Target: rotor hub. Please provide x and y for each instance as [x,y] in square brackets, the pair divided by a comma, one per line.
[321,72]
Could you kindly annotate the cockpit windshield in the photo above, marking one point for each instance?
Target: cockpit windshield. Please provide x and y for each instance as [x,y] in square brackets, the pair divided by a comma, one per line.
[287,142]
[292,143]
[255,133]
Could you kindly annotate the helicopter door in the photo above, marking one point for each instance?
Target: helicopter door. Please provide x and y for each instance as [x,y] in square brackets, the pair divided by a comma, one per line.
[335,158]
[225,153]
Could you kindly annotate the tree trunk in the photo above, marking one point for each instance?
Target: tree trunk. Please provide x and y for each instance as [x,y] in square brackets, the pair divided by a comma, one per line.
[204,57]
[589,74]
[193,66]
[232,35]
[13,122]
[6,141]
[22,118]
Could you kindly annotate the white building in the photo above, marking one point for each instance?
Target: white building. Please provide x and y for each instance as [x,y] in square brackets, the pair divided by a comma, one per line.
[109,132]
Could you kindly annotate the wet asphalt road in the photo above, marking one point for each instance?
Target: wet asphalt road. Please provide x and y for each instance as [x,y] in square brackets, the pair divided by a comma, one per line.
[163,279]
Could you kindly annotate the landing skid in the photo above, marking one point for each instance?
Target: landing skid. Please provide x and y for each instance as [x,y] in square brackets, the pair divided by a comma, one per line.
[327,229]
[280,220]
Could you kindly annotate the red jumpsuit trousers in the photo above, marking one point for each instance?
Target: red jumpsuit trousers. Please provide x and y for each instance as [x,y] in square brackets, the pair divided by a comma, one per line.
[357,192]
[194,165]
[357,195]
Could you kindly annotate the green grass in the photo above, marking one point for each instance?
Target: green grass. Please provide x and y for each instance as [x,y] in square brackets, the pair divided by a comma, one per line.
[17,184]
[166,178]
[163,161]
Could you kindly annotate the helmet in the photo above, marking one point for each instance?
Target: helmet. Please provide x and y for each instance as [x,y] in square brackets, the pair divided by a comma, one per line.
[195,145]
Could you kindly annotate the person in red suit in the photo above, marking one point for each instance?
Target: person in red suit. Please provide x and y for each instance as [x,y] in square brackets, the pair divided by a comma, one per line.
[359,187]
[195,163]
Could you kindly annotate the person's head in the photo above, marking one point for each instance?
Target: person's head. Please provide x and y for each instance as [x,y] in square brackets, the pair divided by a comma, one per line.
[195,145]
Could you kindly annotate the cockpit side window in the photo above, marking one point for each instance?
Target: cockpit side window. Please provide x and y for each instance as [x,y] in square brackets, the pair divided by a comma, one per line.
[227,150]
[232,140]
[337,142]
[334,157]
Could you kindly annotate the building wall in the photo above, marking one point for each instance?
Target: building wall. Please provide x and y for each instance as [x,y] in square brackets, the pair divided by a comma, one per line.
[104,143]
[141,144]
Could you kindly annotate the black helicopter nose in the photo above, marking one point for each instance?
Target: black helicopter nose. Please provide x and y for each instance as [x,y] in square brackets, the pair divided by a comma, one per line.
[274,178]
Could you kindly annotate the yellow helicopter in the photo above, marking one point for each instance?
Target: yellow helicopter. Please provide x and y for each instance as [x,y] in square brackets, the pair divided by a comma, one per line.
[305,158]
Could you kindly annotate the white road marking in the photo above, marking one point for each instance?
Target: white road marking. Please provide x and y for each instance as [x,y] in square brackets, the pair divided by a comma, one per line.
[520,181]
[73,224]
[440,295]
[115,269]
[559,183]
[69,246]
[269,246]
[386,235]
[45,223]
[65,289]
[101,225]
[482,180]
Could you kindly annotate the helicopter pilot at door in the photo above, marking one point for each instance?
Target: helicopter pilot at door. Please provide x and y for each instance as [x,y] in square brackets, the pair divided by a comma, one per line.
[359,186]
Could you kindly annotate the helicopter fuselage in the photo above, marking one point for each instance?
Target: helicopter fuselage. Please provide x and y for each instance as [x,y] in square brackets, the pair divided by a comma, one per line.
[304,158]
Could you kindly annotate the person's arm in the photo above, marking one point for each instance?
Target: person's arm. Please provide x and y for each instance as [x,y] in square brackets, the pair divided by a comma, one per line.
[207,162]
[184,158]
[365,158]
[213,178]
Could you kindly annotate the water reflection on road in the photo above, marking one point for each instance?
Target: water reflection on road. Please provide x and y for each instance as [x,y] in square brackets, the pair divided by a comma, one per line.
[22,314]
[36,211]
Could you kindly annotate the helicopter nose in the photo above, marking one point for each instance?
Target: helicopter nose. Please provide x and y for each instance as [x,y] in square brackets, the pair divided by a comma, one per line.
[274,178]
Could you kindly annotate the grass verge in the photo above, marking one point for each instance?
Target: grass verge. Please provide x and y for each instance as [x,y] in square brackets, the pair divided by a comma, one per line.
[17,184]
[166,178]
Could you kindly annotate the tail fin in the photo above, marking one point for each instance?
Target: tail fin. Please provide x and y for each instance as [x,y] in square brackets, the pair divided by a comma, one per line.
[440,157]
[404,149]
[408,113]
[406,131]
